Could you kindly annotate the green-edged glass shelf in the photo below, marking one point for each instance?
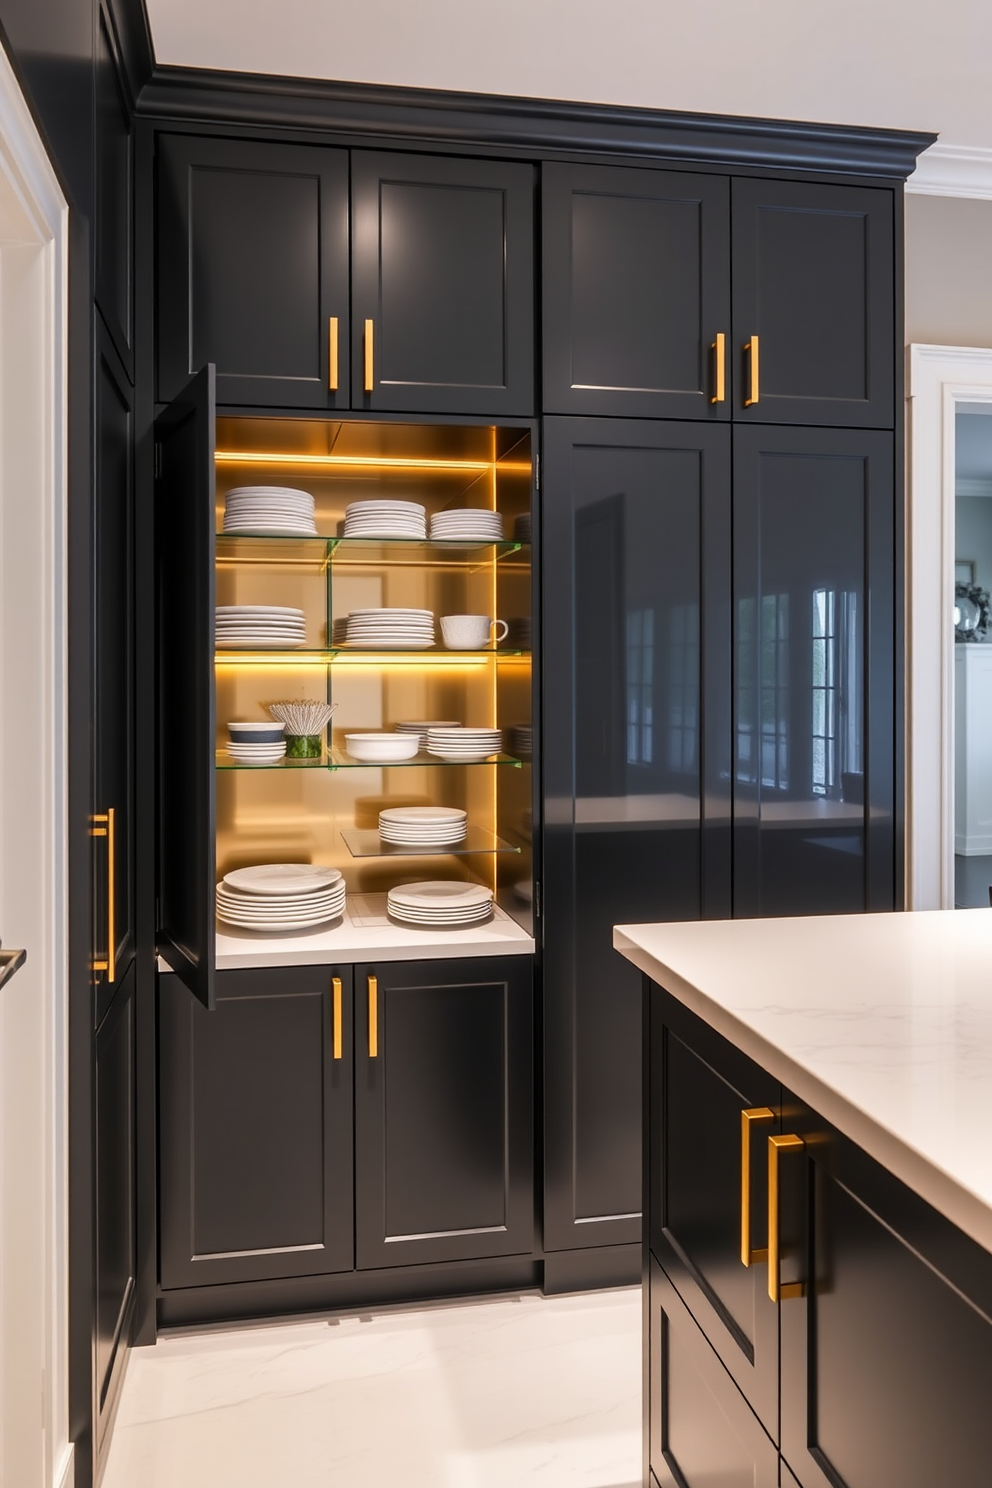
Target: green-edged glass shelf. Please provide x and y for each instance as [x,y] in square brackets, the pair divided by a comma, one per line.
[355,656]
[337,759]
[366,843]
[317,552]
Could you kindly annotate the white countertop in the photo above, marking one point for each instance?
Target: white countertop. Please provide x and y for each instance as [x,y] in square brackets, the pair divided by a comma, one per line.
[881,1022]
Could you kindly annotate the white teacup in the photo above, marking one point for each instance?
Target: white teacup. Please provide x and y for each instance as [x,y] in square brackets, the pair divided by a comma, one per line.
[470,632]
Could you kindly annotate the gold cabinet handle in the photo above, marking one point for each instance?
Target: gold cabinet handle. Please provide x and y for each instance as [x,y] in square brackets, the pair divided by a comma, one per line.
[756,1116]
[332,354]
[754,373]
[719,349]
[103,825]
[369,356]
[776,1146]
[336,1026]
[373,1017]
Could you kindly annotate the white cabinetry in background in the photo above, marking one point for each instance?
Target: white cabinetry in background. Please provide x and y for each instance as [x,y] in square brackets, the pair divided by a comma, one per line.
[972,749]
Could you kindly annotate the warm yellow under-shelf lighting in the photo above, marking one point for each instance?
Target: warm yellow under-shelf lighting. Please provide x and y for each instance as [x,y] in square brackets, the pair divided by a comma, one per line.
[373,462]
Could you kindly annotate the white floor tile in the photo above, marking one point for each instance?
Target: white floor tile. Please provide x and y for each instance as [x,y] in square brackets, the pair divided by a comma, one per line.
[541,1391]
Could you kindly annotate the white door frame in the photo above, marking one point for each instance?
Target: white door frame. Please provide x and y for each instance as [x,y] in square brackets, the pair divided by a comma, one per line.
[938,379]
[35,1451]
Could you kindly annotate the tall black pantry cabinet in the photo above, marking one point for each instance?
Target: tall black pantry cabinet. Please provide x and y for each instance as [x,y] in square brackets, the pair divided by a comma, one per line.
[719,606]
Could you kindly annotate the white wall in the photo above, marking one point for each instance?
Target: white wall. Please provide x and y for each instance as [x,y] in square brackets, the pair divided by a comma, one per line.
[949,270]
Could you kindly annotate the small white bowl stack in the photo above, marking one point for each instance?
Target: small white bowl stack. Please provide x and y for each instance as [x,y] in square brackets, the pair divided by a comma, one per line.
[445,903]
[394,629]
[421,727]
[384,520]
[275,897]
[423,826]
[468,524]
[381,749]
[256,743]
[280,626]
[269,511]
[465,744]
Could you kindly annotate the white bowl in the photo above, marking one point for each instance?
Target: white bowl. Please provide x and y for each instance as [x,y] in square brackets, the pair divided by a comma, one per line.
[382,748]
[256,733]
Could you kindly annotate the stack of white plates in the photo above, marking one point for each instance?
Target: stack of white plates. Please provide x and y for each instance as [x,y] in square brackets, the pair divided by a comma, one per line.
[442,903]
[339,631]
[385,520]
[280,896]
[260,625]
[406,629]
[522,740]
[277,510]
[257,754]
[522,528]
[464,743]
[469,523]
[423,826]
[421,727]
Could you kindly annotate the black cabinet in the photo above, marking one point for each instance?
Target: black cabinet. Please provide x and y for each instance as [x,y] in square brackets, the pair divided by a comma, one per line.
[253,271]
[636,292]
[256,1127]
[444,1123]
[637,773]
[442,284]
[814,307]
[814,710]
[114,216]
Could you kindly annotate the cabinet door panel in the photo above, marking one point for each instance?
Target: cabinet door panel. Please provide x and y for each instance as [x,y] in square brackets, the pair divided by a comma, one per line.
[442,266]
[114,1180]
[444,1111]
[813,279]
[114,219]
[253,262]
[815,701]
[256,1129]
[636,586]
[701,1432]
[636,289]
[694,1173]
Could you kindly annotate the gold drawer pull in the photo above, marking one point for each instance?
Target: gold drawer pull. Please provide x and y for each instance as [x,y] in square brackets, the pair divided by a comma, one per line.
[369,356]
[373,1017]
[104,825]
[336,990]
[756,1116]
[754,366]
[332,354]
[720,368]
[776,1290]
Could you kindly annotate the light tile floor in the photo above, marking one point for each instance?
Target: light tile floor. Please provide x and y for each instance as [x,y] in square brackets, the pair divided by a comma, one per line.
[542,1391]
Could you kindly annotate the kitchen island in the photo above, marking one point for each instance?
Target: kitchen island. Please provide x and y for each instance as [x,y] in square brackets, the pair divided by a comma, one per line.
[818,1174]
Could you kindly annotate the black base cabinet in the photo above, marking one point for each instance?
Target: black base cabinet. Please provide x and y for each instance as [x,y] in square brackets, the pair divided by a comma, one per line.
[883,1329]
[322,1118]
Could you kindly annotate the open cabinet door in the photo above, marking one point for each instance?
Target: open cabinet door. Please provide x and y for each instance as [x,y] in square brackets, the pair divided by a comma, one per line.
[187,708]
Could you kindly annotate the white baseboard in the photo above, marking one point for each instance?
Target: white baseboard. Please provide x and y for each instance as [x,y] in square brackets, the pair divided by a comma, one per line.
[973,847]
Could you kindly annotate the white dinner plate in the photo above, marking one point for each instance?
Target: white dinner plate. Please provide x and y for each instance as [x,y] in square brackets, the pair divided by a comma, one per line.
[440,893]
[281,878]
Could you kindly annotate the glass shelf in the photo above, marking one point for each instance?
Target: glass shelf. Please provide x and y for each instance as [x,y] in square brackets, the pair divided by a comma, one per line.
[355,655]
[362,843]
[225,761]
[316,552]
[337,759]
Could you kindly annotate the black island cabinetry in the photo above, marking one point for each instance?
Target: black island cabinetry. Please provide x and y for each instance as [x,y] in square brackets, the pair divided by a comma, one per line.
[673,369]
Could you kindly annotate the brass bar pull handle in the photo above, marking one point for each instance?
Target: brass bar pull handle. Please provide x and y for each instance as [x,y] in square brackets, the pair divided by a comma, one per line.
[719,349]
[336,1027]
[332,354]
[373,1017]
[369,356]
[756,1116]
[754,384]
[103,824]
[776,1290]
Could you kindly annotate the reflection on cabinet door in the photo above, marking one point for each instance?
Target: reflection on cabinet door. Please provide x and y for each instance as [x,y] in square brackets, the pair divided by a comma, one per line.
[887,1355]
[442,284]
[444,1124]
[813,303]
[256,1127]
[636,292]
[700,1429]
[636,656]
[253,271]
[712,1113]
[814,724]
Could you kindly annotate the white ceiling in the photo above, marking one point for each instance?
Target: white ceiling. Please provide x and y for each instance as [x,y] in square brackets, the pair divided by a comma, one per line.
[894,63]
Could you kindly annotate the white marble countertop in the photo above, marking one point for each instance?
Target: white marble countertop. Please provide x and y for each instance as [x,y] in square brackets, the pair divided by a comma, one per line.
[881,1022]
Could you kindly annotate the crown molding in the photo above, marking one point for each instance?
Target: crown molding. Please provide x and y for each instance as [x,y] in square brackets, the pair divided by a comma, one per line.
[429,116]
[953,170]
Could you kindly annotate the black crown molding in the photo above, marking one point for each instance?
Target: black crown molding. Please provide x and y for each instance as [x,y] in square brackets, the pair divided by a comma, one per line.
[432,117]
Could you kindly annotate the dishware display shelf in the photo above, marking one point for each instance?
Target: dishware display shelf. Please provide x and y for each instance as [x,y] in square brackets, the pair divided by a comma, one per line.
[325,655]
[366,843]
[337,759]
[317,552]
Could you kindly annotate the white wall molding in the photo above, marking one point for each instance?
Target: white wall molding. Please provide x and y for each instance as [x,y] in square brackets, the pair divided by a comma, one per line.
[938,379]
[953,170]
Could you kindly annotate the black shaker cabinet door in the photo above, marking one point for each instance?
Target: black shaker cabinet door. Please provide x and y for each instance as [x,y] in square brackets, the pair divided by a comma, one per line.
[443,1110]
[814,298]
[814,721]
[253,271]
[636,292]
[442,284]
[636,632]
[186,588]
[256,1129]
